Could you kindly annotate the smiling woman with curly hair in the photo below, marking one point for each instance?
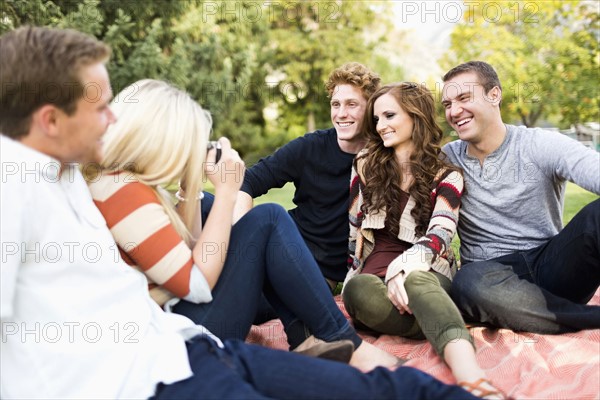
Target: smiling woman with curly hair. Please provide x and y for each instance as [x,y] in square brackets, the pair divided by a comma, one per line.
[404,208]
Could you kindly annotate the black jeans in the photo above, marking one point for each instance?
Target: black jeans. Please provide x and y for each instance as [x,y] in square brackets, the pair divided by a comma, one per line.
[542,290]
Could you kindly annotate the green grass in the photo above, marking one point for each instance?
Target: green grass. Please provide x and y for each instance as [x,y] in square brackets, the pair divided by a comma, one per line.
[576,198]
[281,196]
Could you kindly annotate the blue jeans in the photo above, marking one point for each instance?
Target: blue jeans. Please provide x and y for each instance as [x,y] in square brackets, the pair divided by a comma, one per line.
[267,255]
[244,371]
[542,290]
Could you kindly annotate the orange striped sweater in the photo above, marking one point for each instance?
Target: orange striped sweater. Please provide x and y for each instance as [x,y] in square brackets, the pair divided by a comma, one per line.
[146,238]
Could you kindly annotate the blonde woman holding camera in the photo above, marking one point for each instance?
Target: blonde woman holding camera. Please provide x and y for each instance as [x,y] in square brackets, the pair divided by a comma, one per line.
[198,264]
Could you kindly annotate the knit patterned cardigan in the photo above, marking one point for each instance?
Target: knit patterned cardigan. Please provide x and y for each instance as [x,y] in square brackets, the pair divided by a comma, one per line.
[431,251]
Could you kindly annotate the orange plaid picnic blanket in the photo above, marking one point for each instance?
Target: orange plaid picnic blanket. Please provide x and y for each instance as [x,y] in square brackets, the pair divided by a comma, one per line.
[524,365]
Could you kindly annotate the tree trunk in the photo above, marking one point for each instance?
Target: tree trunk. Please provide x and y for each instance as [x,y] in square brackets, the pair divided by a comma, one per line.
[530,119]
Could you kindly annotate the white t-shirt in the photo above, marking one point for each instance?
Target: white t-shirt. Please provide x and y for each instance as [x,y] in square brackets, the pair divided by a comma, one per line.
[76,321]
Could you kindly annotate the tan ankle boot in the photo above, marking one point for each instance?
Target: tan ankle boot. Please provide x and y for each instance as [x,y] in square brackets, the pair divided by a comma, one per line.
[340,350]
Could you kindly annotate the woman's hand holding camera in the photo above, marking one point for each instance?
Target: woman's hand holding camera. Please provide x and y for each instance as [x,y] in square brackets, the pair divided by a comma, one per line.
[226,173]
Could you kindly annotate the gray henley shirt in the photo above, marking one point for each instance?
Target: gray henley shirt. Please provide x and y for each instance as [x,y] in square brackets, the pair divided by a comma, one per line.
[514,201]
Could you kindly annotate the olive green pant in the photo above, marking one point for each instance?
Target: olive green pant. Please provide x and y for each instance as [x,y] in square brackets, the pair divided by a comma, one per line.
[434,317]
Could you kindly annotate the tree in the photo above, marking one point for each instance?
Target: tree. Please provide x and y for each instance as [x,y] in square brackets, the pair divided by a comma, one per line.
[216,56]
[545,52]
[238,59]
[219,56]
[137,32]
[310,39]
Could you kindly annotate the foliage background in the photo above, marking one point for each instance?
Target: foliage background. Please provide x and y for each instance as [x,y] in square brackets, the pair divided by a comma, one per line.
[545,52]
[260,66]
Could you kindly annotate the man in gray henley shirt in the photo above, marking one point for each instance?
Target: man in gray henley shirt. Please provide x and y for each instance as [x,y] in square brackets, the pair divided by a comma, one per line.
[520,269]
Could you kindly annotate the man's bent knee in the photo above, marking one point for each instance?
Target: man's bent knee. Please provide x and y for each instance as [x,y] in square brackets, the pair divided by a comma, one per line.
[468,283]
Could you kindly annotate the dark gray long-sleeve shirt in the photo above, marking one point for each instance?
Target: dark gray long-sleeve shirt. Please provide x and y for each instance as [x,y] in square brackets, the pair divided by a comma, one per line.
[320,171]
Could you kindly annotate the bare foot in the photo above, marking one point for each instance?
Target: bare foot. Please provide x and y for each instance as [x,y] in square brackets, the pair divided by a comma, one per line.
[367,357]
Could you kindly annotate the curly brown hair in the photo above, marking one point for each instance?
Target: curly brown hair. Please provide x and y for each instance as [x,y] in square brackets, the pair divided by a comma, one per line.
[383,175]
[355,74]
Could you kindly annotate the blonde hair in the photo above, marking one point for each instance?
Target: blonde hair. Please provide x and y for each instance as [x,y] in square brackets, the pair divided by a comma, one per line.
[161,135]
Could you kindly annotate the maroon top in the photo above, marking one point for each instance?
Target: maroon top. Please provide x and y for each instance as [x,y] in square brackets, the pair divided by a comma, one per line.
[387,247]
